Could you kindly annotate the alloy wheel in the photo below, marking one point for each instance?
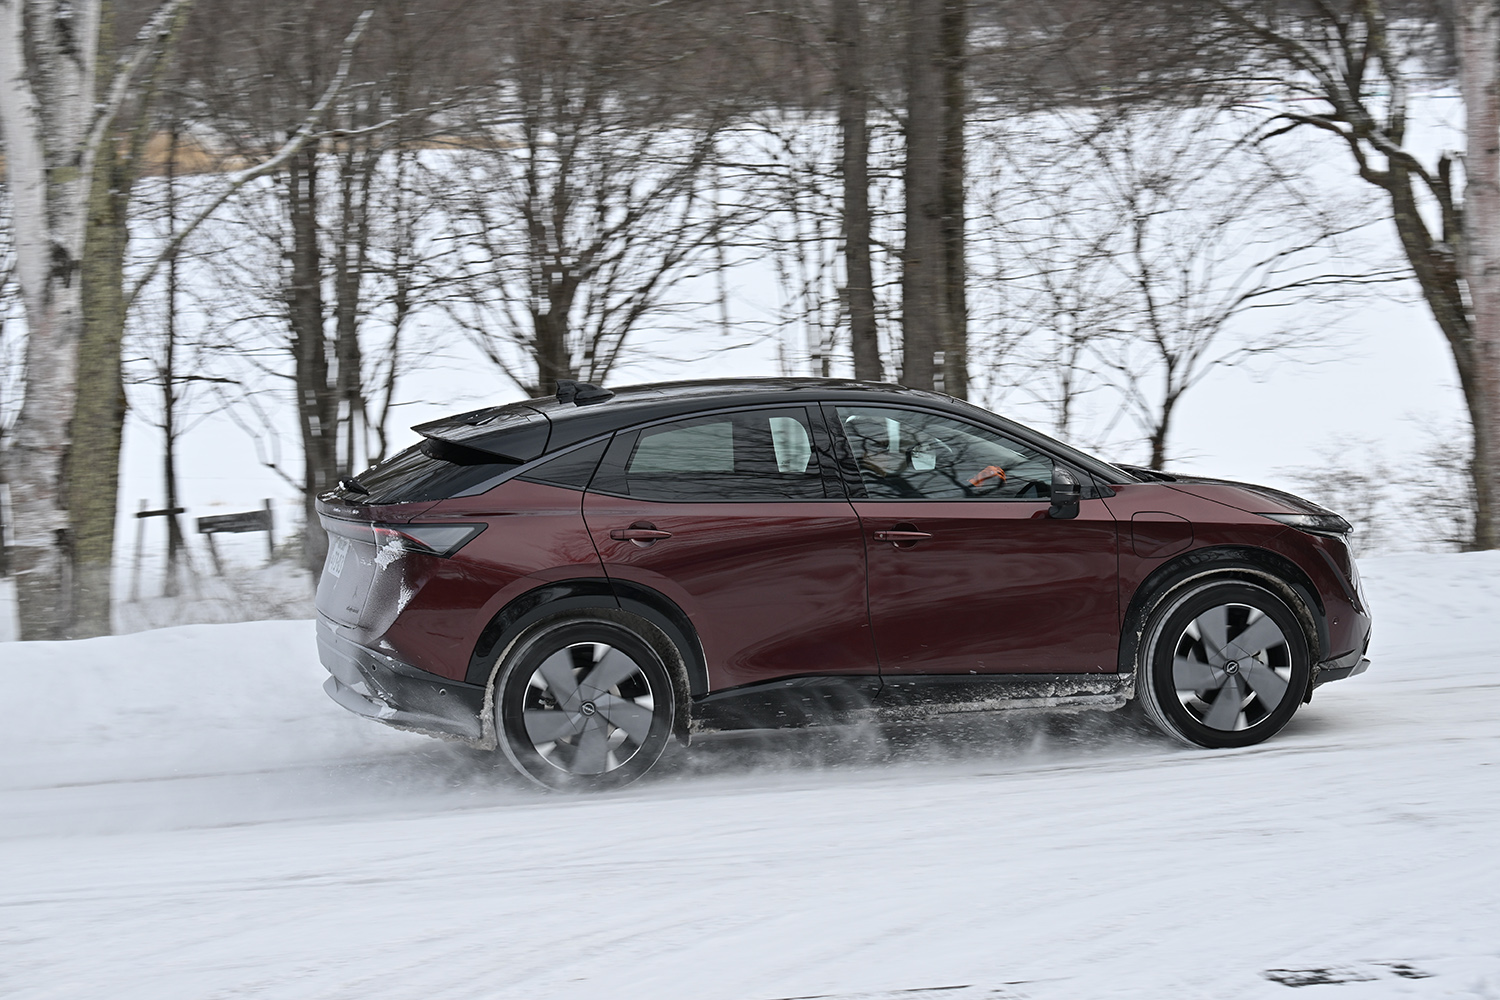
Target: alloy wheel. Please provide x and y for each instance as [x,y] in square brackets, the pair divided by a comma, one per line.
[588,708]
[1231,667]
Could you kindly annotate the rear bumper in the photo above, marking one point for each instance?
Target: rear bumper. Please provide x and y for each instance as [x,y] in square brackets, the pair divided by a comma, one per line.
[379,687]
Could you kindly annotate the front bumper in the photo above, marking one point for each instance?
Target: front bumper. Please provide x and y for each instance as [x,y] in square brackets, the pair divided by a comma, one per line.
[1336,668]
[382,688]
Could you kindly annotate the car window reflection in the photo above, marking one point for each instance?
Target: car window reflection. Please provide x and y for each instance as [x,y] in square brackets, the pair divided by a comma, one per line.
[920,455]
[751,455]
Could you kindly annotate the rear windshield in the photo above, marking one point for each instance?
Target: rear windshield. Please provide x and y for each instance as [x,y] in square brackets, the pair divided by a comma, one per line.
[418,474]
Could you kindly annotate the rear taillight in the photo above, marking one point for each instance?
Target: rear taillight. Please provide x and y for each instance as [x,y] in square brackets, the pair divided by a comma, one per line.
[427,539]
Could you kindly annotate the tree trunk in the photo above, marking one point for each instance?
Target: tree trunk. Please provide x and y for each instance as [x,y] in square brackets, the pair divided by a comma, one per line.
[169,378]
[848,21]
[1479,80]
[924,266]
[350,263]
[44,126]
[553,358]
[955,116]
[99,406]
[316,406]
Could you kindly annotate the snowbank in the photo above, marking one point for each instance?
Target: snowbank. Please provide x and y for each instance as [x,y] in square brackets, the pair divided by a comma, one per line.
[184,814]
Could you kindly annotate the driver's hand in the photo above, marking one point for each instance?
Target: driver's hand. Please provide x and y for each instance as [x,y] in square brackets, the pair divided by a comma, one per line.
[988,473]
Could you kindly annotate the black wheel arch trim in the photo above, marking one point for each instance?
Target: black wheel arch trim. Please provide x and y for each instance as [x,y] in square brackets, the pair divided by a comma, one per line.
[1230,562]
[552,599]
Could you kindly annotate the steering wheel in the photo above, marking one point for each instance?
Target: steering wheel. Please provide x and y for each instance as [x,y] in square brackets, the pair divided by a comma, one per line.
[942,454]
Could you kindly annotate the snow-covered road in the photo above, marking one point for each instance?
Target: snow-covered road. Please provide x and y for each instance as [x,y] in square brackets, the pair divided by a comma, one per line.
[184,814]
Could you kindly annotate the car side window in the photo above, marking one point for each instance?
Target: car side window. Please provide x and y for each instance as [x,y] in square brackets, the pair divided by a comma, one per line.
[914,454]
[572,469]
[747,455]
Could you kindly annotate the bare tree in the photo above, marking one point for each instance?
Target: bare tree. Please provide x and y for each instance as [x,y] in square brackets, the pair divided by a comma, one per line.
[853,81]
[1346,68]
[1154,236]
[933,310]
[72,174]
[1048,290]
[11,352]
[588,200]
[342,232]
[70,179]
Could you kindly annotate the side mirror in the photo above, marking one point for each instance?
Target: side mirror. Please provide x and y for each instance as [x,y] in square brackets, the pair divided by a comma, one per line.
[1066,492]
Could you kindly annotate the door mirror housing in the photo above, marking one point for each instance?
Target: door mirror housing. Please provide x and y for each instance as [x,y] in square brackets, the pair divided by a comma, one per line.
[1066,492]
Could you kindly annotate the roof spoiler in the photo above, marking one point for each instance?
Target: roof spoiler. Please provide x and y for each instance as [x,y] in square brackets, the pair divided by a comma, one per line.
[513,433]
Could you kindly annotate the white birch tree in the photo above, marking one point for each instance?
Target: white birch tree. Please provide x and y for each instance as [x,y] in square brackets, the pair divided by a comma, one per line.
[55,125]
[70,178]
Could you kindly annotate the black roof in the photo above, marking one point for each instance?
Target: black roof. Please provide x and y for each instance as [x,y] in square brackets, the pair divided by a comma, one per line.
[635,403]
[526,430]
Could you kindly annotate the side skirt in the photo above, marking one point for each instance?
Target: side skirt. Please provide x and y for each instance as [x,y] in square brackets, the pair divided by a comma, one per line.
[837,700]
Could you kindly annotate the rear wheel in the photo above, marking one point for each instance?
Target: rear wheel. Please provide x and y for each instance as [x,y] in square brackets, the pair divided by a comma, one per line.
[583,703]
[1223,664]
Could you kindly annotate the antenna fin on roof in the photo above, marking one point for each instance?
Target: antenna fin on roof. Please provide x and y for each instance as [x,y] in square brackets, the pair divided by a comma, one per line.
[580,393]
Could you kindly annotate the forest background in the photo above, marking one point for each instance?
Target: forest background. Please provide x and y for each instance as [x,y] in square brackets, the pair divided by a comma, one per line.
[269,236]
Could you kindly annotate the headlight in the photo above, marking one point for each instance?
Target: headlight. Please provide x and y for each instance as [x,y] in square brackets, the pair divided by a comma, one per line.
[1314,524]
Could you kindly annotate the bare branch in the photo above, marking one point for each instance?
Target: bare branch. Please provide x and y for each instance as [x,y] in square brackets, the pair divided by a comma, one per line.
[305,133]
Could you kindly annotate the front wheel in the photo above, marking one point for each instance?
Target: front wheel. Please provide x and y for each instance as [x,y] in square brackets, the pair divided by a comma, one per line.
[1223,665]
[583,704]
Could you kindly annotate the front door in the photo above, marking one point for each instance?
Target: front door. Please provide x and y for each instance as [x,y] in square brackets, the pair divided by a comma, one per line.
[732,516]
[967,573]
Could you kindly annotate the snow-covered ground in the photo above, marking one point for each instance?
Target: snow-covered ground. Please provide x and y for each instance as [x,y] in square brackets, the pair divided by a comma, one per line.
[184,814]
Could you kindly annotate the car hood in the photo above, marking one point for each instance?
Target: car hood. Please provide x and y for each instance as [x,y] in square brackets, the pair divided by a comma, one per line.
[1249,497]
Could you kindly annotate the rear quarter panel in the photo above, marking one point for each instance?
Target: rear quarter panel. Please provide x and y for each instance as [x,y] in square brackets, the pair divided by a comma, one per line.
[429,611]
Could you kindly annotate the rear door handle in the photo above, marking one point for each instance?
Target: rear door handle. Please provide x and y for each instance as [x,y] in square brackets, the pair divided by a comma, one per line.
[901,536]
[639,535]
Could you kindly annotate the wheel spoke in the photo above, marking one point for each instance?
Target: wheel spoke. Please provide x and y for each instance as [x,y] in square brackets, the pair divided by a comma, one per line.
[1193,675]
[612,668]
[1213,629]
[1262,634]
[1265,682]
[627,715]
[544,725]
[593,746]
[557,671]
[1225,710]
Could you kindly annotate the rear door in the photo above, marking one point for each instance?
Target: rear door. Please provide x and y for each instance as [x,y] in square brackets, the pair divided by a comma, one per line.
[737,517]
[967,573]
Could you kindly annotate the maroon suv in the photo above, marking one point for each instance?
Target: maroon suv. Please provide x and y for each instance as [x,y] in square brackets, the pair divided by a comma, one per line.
[576,579]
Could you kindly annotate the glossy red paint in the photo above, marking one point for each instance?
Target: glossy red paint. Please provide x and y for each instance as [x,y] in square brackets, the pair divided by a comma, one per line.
[775,589]
[1325,560]
[1218,519]
[428,611]
[999,587]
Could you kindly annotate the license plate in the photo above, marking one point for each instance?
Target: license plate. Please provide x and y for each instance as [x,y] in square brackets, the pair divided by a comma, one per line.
[336,554]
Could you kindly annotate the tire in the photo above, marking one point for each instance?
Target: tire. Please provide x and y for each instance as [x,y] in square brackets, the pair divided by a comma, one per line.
[583,703]
[1223,664]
